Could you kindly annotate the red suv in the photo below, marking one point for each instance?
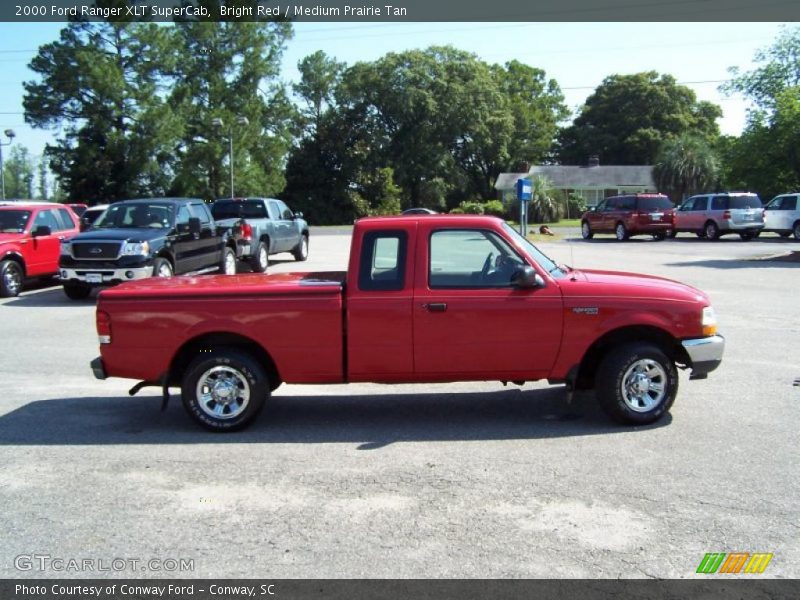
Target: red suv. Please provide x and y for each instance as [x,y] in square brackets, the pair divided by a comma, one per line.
[30,241]
[631,214]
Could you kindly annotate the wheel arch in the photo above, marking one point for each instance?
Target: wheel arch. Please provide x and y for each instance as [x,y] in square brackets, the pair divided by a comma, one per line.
[585,371]
[207,341]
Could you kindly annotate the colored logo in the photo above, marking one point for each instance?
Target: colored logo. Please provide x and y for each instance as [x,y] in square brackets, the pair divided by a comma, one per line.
[734,562]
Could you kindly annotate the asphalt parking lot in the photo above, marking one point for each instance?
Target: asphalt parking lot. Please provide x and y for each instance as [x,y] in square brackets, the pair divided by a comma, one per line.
[460,480]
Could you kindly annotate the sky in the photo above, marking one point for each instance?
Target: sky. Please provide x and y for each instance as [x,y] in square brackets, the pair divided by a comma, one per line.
[577,55]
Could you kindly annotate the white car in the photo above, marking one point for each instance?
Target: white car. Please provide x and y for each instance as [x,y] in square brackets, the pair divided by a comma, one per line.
[783,215]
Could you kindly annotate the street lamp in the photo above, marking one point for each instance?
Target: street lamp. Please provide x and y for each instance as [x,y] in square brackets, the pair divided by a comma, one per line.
[10,135]
[217,122]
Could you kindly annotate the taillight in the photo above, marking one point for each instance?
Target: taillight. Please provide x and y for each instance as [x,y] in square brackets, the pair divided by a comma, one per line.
[247,231]
[726,214]
[103,321]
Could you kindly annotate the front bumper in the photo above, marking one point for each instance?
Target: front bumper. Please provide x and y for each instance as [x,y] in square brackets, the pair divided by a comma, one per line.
[100,276]
[98,368]
[705,354]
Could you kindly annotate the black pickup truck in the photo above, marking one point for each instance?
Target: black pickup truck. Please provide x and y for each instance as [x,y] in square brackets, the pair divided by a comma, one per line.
[156,237]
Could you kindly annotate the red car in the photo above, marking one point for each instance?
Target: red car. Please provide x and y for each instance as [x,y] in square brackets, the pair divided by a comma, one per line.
[30,241]
[631,214]
[431,298]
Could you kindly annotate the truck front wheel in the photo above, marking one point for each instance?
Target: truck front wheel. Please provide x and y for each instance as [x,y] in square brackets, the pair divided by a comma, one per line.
[224,389]
[10,278]
[301,250]
[77,291]
[636,384]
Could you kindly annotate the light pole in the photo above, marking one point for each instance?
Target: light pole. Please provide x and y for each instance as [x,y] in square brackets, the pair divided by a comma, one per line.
[10,135]
[217,122]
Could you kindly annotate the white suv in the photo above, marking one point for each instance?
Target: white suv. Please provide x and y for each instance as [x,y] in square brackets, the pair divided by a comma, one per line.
[783,215]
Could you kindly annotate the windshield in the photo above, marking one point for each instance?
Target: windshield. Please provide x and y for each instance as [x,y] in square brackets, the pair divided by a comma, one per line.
[751,201]
[235,209]
[136,215]
[14,221]
[655,203]
[535,254]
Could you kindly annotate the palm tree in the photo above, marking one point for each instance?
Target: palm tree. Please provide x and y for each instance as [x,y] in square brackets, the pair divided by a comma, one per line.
[685,165]
[543,206]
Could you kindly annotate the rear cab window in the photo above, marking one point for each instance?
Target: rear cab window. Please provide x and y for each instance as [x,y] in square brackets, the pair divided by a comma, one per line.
[239,209]
[383,261]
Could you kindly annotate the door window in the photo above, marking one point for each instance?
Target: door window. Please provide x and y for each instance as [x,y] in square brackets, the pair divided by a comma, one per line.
[719,203]
[65,220]
[465,258]
[286,212]
[47,218]
[200,211]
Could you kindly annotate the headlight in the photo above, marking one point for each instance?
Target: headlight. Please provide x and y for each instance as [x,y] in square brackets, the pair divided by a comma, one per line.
[136,249]
[709,321]
[65,249]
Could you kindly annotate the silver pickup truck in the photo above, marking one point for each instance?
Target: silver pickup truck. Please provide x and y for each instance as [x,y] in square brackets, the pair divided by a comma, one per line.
[268,227]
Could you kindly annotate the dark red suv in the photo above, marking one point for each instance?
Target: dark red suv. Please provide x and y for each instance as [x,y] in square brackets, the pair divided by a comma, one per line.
[631,214]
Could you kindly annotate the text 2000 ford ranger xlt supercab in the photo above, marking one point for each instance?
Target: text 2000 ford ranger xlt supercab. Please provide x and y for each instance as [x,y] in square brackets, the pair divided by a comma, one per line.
[425,299]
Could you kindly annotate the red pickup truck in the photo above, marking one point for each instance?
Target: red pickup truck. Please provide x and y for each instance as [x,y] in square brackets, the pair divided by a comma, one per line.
[425,299]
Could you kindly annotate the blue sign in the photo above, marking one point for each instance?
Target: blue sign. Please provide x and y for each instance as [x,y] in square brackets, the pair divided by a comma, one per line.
[524,190]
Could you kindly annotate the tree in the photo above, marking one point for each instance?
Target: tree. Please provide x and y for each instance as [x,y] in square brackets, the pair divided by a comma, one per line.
[228,72]
[104,84]
[779,70]
[628,117]
[537,107]
[18,173]
[42,185]
[685,165]
[319,76]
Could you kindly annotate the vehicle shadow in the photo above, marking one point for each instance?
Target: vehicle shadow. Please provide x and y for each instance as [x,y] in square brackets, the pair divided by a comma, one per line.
[786,261]
[49,297]
[372,421]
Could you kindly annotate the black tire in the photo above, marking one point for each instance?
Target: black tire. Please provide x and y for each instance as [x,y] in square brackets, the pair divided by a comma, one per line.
[621,232]
[747,235]
[660,236]
[796,230]
[785,234]
[617,374]
[243,386]
[711,231]
[77,291]
[260,261]
[300,251]
[701,234]
[671,234]
[586,231]
[11,277]
[227,264]
[162,267]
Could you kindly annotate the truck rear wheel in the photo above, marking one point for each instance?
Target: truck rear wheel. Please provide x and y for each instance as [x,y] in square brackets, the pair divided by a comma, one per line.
[77,291]
[228,263]
[636,384]
[224,389]
[10,278]
[260,262]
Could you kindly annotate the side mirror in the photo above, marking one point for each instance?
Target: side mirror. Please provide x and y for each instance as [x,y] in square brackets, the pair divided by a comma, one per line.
[526,278]
[194,225]
[41,231]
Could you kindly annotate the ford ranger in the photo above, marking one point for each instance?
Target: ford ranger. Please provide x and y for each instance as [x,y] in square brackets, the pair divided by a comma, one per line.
[436,298]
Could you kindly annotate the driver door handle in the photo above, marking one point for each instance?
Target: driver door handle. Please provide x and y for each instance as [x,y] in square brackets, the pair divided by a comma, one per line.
[435,307]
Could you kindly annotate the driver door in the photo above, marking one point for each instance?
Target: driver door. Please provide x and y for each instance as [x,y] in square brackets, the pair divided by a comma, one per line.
[469,322]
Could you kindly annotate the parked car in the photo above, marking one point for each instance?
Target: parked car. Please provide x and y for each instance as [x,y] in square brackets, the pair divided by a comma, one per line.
[782,215]
[630,214]
[406,311]
[419,211]
[155,237]
[713,215]
[78,208]
[30,239]
[91,214]
[267,226]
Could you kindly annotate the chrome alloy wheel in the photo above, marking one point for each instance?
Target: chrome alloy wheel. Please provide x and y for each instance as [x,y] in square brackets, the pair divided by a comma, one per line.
[164,270]
[230,264]
[12,279]
[263,258]
[223,392]
[304,247]
[644,385]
